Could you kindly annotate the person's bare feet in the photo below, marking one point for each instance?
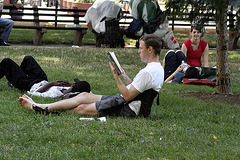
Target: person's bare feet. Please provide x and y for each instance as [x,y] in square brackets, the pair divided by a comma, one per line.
[26,102]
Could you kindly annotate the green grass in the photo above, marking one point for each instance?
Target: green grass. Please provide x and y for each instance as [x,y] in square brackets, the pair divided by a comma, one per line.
[51,37]
[179,128]
[66,37]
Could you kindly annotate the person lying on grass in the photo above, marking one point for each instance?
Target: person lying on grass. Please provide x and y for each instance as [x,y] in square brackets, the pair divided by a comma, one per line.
[135,99]
[30,77]
[171,65]
[176,68]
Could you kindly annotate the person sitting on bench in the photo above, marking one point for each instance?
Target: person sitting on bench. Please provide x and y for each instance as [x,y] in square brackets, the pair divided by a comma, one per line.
[7,25]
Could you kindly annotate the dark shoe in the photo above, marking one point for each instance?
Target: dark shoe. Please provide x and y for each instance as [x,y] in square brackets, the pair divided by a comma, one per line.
[3,43]
[43,111]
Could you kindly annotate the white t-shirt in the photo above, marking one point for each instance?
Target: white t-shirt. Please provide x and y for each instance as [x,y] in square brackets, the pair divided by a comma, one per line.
[150,77]
[53,92]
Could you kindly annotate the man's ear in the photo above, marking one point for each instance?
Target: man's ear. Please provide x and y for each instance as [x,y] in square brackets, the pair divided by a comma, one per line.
[150,49]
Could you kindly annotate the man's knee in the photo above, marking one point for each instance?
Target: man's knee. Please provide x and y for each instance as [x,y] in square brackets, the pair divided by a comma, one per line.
[179,53]
[11,23]
[28,59]
[170,58]
[170,52]
[82,109]
[180,57]
[8,23]
[82,94]
[6,61]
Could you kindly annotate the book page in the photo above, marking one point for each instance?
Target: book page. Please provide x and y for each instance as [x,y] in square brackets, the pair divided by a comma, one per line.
[112,57]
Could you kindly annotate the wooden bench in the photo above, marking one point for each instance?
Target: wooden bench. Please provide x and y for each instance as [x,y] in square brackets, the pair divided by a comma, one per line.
[43,19]
[180,22]
[60,18]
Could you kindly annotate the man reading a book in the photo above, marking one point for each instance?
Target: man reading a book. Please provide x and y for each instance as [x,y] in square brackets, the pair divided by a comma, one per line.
[135,98]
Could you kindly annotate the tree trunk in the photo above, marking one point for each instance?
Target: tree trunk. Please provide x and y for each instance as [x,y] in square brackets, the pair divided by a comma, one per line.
[223,75]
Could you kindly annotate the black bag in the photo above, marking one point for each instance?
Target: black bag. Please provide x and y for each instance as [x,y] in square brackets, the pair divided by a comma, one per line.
[153,25]
[146,99]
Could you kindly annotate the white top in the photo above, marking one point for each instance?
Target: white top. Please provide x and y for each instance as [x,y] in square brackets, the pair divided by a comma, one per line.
[53,92]
[150,77]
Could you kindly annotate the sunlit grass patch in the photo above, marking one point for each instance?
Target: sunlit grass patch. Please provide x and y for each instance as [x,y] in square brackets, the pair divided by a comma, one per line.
[179,128]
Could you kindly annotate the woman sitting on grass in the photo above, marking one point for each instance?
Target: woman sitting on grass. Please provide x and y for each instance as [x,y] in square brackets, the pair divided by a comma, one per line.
[176,63]
[174,74]
[135,99]
[195,47]
[176,68]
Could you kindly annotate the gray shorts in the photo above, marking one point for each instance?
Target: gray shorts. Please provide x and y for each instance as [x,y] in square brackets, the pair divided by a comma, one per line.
[109,104]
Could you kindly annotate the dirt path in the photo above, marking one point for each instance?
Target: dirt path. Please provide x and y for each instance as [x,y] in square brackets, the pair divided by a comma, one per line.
[215,97]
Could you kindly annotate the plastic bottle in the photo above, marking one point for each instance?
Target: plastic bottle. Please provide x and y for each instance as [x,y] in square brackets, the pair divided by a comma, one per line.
[102,119]
[186,66]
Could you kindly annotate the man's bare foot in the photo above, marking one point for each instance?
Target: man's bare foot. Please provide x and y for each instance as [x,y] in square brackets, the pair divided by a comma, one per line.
[29,98]
[26,102]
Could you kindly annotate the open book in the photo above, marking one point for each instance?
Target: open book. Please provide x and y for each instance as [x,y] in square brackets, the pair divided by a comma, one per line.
[111,56]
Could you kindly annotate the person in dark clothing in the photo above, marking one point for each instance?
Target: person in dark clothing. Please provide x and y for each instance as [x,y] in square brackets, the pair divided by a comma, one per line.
[30,73]
[7,24]
[171,62]
[23,76]
[176,68]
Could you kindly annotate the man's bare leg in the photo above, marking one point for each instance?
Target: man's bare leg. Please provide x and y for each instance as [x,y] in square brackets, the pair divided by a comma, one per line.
[66,104]
[85,109]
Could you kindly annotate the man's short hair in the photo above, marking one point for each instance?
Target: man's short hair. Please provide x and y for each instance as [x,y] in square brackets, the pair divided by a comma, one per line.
[81,86]
[154,41]
[192,72]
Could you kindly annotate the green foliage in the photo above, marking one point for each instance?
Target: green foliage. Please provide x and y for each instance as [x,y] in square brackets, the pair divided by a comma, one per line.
[197,8]
[202,9]
[179,128]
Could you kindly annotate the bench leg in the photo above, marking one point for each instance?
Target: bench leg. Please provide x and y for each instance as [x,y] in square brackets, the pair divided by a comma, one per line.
[78,35]
[38,34]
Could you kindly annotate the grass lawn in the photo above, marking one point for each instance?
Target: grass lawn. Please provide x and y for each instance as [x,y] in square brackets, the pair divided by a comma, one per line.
[179,128]
[66,37]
